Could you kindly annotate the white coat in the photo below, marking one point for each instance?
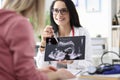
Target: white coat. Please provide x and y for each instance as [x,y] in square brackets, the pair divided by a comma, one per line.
[77,63]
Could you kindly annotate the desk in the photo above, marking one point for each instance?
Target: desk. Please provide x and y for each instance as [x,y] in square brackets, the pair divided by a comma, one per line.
[98,77]
[102,77]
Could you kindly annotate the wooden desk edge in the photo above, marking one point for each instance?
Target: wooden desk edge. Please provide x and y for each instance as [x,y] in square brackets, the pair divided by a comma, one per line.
[95,77]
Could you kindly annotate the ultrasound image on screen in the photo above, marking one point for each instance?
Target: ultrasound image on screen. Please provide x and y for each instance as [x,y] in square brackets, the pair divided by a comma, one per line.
[68,48]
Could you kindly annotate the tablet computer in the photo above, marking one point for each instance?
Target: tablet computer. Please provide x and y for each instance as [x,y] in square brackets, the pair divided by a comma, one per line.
[66,48]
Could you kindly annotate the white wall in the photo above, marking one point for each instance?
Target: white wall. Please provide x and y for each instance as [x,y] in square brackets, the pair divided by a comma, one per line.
[1,3]
[95,22]
[47,4]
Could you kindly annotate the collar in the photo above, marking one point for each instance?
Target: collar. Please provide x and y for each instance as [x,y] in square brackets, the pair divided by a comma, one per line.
[72,33]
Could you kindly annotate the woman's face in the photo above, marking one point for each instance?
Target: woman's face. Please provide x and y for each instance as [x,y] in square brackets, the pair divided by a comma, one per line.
[61,14]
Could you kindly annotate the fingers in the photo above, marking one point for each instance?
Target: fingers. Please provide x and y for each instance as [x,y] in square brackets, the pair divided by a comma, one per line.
[64,62]
[48,29]
[47,32]
[52,68]
[70,61]
[48,69]
[67,74]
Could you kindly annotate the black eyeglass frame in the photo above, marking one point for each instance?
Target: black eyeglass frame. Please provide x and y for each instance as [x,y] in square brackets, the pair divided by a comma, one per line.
[62,11]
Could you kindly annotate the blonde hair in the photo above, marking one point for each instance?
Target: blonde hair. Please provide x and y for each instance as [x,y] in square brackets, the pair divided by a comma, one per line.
[32,9]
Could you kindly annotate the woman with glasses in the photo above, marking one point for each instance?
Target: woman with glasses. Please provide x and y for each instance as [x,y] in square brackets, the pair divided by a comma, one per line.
[64,22]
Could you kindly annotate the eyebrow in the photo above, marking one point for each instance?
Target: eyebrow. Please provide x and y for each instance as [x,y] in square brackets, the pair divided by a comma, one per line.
[59,8]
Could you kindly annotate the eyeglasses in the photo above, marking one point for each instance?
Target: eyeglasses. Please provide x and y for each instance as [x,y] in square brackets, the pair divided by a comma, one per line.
[62,11]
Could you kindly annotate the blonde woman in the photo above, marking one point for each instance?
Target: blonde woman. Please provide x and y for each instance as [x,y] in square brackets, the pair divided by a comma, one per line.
[17,49]
[32,9]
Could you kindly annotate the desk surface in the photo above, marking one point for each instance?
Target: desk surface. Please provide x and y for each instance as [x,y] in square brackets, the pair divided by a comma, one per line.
[103,77]
[80,79]
[98,77]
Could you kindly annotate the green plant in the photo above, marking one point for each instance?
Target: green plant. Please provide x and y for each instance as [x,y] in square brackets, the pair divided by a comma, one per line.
[47,20]
[39,37]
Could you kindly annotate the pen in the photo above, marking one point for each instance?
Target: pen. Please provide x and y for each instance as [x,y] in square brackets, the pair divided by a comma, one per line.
[78,72]
[55,37]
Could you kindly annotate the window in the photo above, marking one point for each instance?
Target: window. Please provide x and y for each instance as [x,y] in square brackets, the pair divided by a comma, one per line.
[1,3]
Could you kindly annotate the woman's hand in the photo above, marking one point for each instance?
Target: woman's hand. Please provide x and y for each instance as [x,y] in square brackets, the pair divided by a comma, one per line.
[57,74]
[48,69]
[64,74]
[60,74]
[64,62]
[47,32]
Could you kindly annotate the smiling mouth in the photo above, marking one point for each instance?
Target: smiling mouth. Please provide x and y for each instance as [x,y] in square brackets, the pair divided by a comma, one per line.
[60,19]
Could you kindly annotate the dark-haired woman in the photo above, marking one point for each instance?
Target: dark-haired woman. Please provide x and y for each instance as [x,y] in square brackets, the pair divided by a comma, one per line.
[64,22]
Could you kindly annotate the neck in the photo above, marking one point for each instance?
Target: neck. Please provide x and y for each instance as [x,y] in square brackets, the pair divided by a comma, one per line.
[64,31]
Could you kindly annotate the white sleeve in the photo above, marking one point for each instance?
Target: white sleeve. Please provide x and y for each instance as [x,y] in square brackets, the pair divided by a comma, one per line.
[88,61]
[40,59]
[40,62]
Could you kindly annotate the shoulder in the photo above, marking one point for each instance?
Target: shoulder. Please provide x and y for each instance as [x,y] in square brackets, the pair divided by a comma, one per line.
[13,21]
[9,16]
[80,28]
[81,31]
